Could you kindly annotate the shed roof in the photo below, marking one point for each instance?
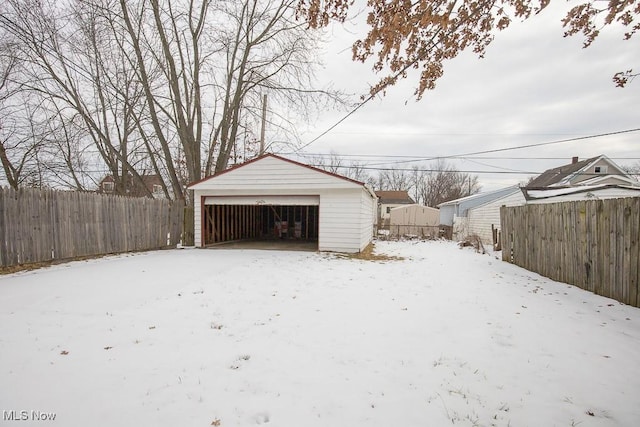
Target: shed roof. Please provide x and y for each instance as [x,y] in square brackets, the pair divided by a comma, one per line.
[395,197]
[485,196]
[414,205]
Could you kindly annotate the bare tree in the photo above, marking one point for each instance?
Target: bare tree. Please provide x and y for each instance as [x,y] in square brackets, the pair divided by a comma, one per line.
[358,171]
[231,53]
[168,86]
[71,69]
[334,163]
[395,179]
[64,153]
[99,43]
[167,36]
[633,170]
[8,62]
[18,150]
[442,182]
[337,164]
[266,51]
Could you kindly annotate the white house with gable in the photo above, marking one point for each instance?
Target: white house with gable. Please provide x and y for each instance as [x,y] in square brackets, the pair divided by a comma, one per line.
[277,199]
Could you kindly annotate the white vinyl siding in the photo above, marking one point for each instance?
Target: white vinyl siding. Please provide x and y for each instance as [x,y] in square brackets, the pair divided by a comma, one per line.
[339,221]
[368,208]
[271,173]
[197,220]
[481,218]
[447,213]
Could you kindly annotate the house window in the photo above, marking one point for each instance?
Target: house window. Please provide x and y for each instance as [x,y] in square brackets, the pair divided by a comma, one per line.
[388,209]
[601,169]
[157,188]
[107,186]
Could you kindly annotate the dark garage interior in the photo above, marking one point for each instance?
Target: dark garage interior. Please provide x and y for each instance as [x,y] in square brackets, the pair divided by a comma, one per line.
[232,223]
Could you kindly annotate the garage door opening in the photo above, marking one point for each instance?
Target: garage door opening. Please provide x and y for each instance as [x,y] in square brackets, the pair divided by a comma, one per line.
[275,223]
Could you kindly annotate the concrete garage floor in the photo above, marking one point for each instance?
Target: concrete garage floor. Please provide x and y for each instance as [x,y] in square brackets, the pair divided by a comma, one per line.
[270,245]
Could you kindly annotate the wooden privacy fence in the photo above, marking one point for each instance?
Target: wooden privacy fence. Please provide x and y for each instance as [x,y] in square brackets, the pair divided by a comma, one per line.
[591,244]
[418,231]
[44,225]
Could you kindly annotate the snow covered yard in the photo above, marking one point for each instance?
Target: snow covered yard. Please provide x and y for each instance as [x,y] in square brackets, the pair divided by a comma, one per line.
[241,338]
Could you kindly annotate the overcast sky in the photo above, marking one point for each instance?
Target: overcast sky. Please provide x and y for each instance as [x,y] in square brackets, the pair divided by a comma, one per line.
[533,86]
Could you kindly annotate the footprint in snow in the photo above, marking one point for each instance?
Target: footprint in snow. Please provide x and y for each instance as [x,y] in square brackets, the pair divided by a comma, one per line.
[239,361]
[262,418]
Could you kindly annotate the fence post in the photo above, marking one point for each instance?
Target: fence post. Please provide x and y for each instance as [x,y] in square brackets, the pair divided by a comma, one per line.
[188,232]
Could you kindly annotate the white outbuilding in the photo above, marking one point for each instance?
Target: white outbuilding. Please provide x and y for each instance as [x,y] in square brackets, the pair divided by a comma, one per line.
[271,198]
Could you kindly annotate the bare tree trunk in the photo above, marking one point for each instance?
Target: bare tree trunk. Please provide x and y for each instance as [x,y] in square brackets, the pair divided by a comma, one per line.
[10,171]
[144,79]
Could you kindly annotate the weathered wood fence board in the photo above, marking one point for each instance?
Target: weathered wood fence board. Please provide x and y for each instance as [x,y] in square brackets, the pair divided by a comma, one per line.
[44,225]
[592,244]
[188,227]
[420,231]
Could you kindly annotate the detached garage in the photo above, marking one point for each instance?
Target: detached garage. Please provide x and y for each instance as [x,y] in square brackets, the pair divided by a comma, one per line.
[280,200]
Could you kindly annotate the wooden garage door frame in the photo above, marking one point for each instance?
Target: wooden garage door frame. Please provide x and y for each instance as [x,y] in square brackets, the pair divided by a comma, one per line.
[259,201]
[285,200]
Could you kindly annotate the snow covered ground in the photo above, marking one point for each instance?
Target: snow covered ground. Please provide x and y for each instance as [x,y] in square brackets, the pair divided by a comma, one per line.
[242,338]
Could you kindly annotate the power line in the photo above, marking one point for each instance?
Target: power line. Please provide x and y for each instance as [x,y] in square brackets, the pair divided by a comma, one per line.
[404,156]
[332,167]
[540,144]
[498,150]
[503,172]
[372,95]
[520,147]
[357,107]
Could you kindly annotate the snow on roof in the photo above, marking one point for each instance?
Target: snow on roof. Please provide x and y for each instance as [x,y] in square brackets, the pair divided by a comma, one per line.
[543,193]
[498,193]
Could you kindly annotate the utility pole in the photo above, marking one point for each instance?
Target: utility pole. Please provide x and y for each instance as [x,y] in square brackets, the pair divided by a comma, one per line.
[264,122]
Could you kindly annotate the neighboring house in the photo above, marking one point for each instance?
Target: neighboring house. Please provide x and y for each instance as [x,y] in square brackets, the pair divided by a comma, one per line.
[274,198]
[596,177]
[388,200]
[596,170]
[458,208]
[414,220]
[153,183]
